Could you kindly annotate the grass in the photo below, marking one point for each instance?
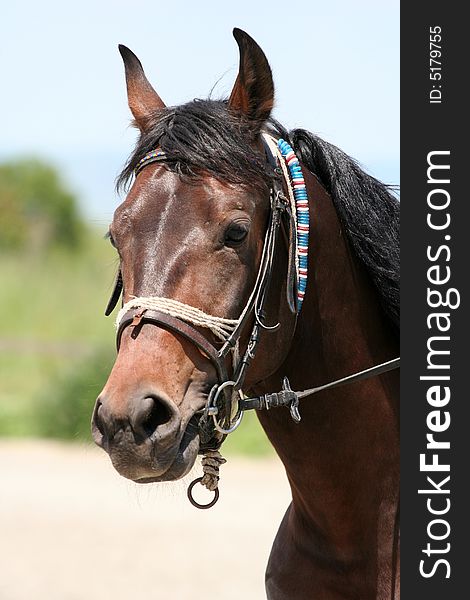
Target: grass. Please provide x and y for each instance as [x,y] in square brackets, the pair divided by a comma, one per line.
[51,310]
[248,439]
[59,296]
[56,346]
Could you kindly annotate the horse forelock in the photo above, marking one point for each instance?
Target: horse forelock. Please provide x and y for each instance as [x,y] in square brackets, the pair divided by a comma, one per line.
[202,137]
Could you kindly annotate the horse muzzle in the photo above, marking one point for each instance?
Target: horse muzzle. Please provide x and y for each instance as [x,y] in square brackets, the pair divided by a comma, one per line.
[148,442]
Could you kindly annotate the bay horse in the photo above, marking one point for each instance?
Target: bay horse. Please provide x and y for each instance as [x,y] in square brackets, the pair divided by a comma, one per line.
[193,236]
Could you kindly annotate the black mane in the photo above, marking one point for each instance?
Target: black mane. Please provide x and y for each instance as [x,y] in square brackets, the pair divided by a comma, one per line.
[203,136]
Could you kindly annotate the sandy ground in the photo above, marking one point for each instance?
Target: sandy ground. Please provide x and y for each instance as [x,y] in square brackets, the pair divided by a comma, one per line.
[72,529]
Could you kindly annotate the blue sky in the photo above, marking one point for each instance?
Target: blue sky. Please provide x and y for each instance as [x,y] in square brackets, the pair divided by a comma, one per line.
[335,65]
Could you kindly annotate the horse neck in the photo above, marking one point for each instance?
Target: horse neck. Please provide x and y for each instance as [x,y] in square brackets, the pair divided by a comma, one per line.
[342,459]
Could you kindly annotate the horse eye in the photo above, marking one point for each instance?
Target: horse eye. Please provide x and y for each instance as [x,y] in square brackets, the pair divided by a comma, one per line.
[236,233]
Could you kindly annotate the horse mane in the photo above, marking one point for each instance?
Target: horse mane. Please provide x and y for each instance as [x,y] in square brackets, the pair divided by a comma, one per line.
[202,136]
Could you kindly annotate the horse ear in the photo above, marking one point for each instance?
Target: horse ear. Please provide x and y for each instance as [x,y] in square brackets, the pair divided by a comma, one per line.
[142,98]
[253,92]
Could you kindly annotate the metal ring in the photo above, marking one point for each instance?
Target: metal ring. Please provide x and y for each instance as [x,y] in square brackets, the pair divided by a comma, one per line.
[233,425]
[197,504]
[238,419]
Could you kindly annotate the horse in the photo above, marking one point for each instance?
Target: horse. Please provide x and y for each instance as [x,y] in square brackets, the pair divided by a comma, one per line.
[209,272]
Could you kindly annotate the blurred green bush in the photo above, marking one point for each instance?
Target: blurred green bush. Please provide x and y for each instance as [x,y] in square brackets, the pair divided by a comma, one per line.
[55,274]
[63,409]
[37,210]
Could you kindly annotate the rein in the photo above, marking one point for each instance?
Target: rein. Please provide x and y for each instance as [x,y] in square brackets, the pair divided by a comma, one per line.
[226,402]
[287,397]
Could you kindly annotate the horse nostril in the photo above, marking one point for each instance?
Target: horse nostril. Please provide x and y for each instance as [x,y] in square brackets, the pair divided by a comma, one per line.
[149,415]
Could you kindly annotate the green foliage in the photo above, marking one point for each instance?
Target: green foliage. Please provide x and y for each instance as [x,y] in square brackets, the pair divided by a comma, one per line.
[51,326]
[38,211]
[64,408]
[248,439]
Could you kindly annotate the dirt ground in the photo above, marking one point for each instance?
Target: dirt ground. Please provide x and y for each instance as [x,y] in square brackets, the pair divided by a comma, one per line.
[72,529]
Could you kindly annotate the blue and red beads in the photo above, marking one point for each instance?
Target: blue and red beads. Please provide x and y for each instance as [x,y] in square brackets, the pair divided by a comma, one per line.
[303,217]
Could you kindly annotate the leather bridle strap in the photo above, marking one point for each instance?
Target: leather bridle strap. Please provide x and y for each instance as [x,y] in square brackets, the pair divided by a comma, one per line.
[257,298]
[137,317]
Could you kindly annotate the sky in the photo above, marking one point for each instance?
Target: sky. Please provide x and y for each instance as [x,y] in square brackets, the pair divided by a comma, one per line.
[335,67]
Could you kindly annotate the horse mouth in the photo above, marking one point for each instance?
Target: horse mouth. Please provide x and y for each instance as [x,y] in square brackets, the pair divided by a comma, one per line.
[145,462]
[184,458]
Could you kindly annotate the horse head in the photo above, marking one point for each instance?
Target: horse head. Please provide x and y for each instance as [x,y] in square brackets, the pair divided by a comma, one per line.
[191,231]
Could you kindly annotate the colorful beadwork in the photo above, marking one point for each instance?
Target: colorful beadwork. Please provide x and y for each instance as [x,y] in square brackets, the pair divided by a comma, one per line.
[303,218]
[148,158]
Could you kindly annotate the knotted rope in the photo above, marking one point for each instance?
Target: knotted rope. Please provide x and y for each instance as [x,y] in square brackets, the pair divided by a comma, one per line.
[211,461]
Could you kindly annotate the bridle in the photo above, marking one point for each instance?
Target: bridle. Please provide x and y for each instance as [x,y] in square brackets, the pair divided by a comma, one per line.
[226,403]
